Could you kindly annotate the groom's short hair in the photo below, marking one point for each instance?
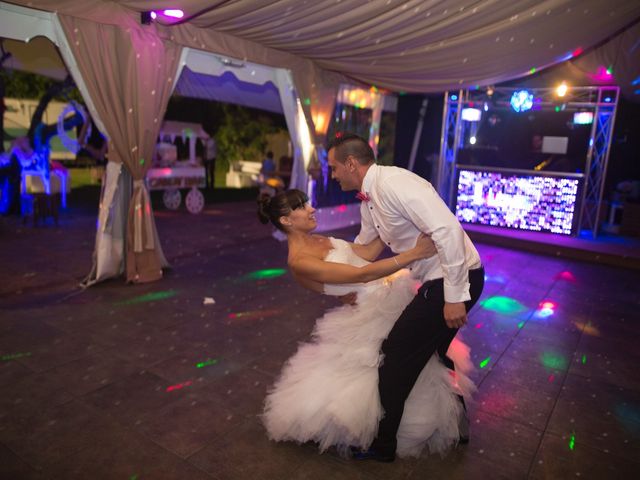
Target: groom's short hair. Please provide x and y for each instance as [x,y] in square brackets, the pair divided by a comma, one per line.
[346,144]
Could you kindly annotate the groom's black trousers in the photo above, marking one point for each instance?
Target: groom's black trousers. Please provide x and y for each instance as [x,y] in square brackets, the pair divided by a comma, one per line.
[419,332]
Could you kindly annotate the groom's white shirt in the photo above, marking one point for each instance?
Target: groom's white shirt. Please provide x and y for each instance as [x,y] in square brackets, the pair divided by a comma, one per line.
[402,205]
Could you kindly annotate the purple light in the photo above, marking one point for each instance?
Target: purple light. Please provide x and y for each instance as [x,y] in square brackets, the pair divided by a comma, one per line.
[175,13]
[154,15]
[544,204]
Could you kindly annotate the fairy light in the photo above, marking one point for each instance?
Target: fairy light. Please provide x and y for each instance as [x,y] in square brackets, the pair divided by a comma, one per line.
[485,362]
[572,441]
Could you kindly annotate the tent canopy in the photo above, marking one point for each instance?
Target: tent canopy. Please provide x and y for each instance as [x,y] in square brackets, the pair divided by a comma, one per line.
[400,45]
[421,46]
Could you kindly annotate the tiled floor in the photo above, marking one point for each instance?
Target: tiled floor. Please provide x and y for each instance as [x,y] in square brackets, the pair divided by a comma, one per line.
[105,383]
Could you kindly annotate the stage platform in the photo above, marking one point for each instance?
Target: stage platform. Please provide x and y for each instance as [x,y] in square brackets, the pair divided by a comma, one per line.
[606,249]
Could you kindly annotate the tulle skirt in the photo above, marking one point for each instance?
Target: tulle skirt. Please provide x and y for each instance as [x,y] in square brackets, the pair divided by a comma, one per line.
[328,391]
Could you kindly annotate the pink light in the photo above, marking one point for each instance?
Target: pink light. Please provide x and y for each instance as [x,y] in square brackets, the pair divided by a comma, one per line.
[342,208]
[549,305]
[566,275]
[179,386]
[551,378]
[478,325]
[577,52]
[175,13]
[154,15]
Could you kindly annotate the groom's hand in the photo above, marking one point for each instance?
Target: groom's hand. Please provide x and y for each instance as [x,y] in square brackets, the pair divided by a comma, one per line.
[349,298]
[455,314]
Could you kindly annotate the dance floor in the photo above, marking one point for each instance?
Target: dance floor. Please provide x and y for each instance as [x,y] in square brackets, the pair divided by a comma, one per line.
[166,380]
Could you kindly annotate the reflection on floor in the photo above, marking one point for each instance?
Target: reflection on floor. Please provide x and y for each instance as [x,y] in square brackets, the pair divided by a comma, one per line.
[166,380]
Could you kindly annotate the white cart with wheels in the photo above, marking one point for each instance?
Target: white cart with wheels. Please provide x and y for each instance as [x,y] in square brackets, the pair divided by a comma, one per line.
[171,180]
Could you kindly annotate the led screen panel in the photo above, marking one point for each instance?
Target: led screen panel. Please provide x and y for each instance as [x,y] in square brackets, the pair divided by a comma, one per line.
[526,202]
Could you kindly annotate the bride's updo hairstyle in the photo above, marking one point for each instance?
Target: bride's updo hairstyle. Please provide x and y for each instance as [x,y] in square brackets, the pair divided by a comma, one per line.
[270,209]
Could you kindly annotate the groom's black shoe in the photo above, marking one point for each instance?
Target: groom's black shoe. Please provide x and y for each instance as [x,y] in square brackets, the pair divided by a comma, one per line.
[371,454]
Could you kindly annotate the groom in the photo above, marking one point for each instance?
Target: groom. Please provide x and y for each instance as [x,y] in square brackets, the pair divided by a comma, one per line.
[396,206]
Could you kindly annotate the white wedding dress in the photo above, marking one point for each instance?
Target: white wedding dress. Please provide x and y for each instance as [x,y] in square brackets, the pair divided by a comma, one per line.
[328,391]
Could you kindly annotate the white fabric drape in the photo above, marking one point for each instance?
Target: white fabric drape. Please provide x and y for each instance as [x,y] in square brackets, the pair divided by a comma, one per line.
[402,45]
[417,45]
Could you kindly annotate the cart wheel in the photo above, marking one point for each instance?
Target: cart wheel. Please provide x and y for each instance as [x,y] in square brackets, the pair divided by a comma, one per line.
[171,199]
[194,201]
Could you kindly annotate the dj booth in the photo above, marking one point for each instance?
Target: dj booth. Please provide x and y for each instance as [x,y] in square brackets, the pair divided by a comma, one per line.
[528,160]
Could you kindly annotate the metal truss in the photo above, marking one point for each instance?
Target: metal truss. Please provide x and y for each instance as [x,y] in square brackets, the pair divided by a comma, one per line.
[449,143]
[598,159]
[602,100]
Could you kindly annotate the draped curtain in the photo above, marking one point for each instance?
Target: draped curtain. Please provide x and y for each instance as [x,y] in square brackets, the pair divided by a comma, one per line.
[128,72]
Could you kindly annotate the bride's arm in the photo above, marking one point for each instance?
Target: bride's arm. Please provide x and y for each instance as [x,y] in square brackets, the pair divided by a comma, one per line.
[308,284]
[316,270]
[370,251]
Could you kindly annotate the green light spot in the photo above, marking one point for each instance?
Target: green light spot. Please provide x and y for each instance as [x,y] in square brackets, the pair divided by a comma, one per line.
[266,273]
[503,305]
[609,71]
[551,360]
[485,362]
[206,363]
[13,356]
[557,108]
[142,161]
[521,324]
[572,442]
[533,70]
[150,297]
[307,101]
[584,359]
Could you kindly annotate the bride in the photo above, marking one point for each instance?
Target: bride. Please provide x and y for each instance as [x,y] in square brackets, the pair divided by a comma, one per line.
[328,391]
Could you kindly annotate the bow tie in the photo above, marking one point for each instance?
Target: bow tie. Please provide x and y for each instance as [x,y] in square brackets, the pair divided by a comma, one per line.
[363,197]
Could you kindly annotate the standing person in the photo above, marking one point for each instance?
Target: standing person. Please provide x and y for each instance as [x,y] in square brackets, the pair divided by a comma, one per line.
[268,168]
[328,391]
[210,154]
[397,207]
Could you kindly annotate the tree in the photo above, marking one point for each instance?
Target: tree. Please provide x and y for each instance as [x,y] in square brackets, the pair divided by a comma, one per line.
[242,135]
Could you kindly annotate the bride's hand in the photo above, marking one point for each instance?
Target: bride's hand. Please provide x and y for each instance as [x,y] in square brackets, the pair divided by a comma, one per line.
[425,247]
